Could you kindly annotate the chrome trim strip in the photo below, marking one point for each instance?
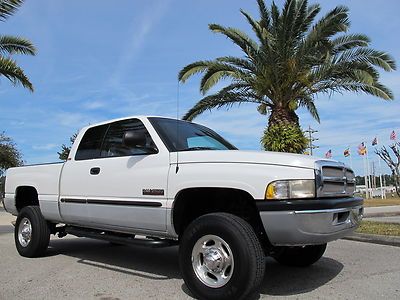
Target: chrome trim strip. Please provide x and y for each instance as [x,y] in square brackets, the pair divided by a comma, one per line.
[334,210]
[335,179]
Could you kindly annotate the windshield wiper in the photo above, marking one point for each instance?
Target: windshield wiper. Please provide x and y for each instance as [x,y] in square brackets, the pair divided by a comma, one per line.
[199,148]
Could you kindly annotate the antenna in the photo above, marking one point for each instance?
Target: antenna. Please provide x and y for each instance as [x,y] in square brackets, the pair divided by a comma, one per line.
[177,128]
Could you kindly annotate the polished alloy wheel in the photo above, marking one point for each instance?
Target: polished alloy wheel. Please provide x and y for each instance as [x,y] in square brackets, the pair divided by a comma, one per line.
[24,232]
[212,261]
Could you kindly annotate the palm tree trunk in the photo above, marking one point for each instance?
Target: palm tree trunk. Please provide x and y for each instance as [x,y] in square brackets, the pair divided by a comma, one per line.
[283,133]
[283,116]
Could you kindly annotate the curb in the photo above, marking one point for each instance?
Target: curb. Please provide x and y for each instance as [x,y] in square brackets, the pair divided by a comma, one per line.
[382,214]
[374,239]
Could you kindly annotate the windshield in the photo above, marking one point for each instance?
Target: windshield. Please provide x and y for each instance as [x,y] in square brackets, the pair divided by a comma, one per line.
[185,136]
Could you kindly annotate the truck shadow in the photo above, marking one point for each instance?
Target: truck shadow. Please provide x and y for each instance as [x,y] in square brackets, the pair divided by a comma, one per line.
[285,281]
[155,264]
[162,264]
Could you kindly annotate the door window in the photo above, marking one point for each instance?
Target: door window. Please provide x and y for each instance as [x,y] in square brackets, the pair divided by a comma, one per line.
[113,146]
[90,145]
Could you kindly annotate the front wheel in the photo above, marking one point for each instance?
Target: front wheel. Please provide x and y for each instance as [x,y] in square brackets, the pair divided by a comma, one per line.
[300,256]
[221,257]
[32,233]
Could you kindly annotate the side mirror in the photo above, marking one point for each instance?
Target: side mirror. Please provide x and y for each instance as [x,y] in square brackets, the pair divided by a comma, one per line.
[134,139]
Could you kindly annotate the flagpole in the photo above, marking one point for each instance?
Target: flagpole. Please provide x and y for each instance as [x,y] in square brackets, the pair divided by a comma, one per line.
[351,160]
[365,178]
[383,195]
[369,172]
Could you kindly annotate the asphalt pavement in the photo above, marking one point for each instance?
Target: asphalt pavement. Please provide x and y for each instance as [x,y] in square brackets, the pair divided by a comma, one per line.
[79,268]
[393,219]
[386,214]
[382,212]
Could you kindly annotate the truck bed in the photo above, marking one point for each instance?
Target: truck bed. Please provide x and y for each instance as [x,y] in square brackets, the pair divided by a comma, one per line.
[45,178]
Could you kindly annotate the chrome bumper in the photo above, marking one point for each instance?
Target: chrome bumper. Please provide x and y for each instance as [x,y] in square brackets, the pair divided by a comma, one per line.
[308,227]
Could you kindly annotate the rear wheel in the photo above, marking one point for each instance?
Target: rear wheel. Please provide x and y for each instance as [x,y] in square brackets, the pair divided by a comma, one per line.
[32,233]
[300,256]
[221,257]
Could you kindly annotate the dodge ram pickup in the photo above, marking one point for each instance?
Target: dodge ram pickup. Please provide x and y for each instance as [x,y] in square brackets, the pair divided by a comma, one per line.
[157,182]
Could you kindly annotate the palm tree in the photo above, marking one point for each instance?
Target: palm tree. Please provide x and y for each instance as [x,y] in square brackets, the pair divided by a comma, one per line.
[291,61]
[10,45]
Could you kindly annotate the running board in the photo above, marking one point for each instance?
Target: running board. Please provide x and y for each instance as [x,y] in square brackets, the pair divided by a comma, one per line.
[118,238]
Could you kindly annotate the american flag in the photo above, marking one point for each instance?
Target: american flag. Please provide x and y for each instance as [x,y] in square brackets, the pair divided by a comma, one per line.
[328,154]
[393,135]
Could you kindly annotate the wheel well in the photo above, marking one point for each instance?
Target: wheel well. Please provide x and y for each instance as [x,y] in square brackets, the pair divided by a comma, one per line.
[25,196]
[194,202]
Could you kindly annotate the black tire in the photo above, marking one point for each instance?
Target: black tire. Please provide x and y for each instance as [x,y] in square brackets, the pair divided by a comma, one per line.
[248,270]
[300,256]
[40,232]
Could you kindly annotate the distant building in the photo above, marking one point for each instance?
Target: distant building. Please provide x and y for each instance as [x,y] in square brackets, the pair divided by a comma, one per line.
[376,192]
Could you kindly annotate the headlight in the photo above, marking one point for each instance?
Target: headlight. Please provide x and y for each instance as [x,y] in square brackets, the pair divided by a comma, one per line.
[290,189]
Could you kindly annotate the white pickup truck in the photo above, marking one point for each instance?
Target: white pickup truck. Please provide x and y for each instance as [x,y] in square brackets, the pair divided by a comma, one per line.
[158,182]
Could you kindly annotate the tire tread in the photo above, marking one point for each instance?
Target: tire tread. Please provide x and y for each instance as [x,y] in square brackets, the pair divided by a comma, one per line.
[40,238]
[248,236]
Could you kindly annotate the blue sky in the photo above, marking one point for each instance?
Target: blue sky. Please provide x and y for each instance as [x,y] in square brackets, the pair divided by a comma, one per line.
[99,60]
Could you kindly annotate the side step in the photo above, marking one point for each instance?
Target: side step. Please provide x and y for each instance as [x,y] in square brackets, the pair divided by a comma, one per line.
[118,238]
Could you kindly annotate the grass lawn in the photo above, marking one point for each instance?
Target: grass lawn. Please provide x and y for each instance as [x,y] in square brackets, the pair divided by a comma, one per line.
[382,202]
[381,228]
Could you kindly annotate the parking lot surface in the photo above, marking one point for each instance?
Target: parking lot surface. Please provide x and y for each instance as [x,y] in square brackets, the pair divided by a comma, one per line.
[79,268]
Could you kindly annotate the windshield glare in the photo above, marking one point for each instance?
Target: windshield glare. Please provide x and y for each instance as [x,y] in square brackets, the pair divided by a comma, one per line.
[185,136]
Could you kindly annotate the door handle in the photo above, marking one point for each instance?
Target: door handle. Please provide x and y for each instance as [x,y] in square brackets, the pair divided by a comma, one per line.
[94,171]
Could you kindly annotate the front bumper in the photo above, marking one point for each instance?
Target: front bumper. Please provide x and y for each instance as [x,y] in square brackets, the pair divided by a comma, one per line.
[309,222]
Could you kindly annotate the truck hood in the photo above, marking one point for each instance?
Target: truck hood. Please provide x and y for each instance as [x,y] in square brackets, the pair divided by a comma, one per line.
[246,157]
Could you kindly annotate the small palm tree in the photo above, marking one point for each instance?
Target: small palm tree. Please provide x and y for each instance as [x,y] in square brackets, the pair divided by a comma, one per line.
[293,59]
[10,45]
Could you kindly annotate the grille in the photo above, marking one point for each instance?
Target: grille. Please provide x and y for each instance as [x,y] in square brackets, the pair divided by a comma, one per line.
[334,179]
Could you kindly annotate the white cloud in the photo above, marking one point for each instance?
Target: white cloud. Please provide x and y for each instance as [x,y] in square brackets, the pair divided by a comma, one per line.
[93,105]
[45,147]
[139,35]
[74,120]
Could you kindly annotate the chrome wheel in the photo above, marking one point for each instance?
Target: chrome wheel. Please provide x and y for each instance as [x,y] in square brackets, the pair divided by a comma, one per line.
[212,261]
[25,232]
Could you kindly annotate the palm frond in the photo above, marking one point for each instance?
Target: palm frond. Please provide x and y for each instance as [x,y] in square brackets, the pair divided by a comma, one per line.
[214,75]
[192,69]
[299,26]
[258,30]
[367,55]
[349,41]
[276,19]
[214,72]
[309,104]
[312,12]
[10,70]
[289,13]
[350,85]
[248,45]
[16,45]
[265,15]
[218,100]
[8,8]
[335,21]
[238,62]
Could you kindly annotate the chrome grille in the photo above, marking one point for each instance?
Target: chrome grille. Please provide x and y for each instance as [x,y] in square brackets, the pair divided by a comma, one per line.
[334,179]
